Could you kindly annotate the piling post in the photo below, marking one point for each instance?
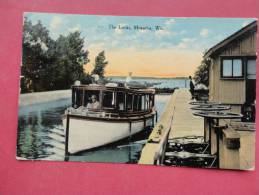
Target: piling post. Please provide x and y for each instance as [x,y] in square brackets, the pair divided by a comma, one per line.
[229,150]
[153,120]
[217,137]
[130,126]
[67,139]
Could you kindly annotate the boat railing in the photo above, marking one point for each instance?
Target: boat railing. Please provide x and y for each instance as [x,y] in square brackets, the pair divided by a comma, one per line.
[83,111]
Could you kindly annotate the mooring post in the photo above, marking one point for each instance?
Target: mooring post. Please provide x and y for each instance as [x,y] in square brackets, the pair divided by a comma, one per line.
[153,120]
[206,130]
[130,126]
[209,132]
[67,139]
[218,130]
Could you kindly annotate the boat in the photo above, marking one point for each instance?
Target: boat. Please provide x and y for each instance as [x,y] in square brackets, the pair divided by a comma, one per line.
[103,114]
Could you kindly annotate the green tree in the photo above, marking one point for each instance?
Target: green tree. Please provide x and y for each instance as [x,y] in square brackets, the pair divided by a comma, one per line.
[49,64]
[201,75]
[36,43]
[100,64]
[71,58]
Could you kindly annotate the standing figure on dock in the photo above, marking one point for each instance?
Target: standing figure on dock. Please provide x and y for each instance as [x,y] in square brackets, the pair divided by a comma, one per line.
[191,87]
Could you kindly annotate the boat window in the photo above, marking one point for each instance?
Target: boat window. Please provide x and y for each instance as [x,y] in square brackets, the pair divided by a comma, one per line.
[77,97]
[135,102]
[108,99]
[73,97]
[129,100]
[91,99]
[120,100]
[147,102]
[140,102]
[143,102]
[151,101]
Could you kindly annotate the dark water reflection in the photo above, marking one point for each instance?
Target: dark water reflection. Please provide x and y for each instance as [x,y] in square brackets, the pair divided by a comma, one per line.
[41,136]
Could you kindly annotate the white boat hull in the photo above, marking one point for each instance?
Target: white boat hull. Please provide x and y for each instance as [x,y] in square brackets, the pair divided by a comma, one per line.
[84,134]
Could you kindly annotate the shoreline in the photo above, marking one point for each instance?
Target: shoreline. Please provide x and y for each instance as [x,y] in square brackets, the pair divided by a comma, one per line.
[27,99]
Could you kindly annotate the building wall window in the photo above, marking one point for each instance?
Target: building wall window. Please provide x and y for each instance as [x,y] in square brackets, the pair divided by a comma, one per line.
[251,69]
[227,68]
[232,68]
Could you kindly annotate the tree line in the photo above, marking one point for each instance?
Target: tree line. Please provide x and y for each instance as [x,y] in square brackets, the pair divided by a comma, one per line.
[49,64]
[201,74]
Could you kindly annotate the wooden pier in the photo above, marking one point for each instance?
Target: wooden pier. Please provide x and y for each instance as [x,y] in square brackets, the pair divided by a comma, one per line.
[233,143]
[176,121]
[184,122]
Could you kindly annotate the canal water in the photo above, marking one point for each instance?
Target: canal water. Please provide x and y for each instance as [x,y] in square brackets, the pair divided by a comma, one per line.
[41,136]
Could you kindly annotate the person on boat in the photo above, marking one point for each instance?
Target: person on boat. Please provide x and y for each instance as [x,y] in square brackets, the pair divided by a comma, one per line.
[191,87]
[129,78]
[94,104]
[121,106]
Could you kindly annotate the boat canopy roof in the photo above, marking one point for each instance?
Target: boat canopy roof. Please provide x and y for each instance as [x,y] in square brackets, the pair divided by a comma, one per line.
[115,87]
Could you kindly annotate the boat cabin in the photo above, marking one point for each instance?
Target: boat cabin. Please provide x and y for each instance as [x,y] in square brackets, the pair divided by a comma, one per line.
[113,99]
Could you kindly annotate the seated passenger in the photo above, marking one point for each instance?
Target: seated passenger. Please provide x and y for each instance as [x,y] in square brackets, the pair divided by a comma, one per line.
[121,106]
[95,104]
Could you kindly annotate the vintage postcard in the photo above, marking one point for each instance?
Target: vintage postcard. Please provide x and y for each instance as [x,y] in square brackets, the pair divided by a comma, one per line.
[140,90]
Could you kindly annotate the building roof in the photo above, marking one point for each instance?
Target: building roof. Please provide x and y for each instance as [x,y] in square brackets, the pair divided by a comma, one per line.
[250,27]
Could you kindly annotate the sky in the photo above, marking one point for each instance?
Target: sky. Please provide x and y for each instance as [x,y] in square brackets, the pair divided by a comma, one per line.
[145,46]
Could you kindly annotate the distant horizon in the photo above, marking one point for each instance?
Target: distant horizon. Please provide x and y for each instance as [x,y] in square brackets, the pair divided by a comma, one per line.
[155,77]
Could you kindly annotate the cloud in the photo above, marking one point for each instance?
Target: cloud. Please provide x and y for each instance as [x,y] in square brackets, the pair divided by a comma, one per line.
[115,43]
[182,45]
[96,47]
[75,28]
[185,42]
[170,22]
[55,23]
[162,33]
[204,32]
[218,37]
[182,32]
[188,40]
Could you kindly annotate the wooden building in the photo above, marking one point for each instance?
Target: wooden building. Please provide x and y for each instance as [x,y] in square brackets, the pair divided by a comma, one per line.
[232,72]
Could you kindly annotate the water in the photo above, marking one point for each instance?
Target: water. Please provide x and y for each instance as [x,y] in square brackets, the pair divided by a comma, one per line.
[41,133]
[41,136]
[158,82]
